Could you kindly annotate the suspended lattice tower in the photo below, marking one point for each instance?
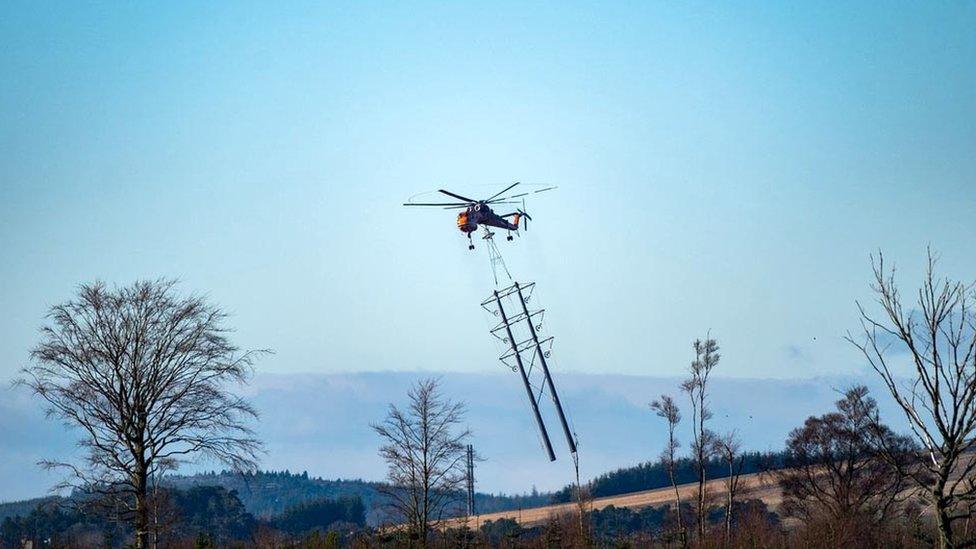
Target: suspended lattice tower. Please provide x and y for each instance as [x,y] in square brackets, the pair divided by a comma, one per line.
[527,350]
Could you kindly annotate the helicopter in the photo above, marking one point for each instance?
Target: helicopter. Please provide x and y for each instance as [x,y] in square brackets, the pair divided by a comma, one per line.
[479,212]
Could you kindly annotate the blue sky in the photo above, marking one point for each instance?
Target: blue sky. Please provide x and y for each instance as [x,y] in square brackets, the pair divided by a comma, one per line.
[723,167]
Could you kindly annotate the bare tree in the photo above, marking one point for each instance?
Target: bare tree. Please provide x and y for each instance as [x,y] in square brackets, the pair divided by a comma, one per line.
[937,334]
[728,447]
[424,449]
[667,409]
[696,386]
[834,471]
[144,373]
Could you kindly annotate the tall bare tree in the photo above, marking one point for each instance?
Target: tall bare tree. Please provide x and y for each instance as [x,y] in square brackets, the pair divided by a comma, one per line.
[424,449]
[144,373]
[833,470]
[936,389]
[667,409]
[728,447]
[696,386]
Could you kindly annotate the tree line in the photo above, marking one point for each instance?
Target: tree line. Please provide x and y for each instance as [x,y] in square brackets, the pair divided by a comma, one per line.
[652,475]
[210,514]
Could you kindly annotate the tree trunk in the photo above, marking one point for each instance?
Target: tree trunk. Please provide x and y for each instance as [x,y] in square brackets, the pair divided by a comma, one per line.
[701,464]
[426,525]
[728,510]
[728,519]
[942,507]
[682,535]
[677,497]
[141,519]
[943,522]
[701,498]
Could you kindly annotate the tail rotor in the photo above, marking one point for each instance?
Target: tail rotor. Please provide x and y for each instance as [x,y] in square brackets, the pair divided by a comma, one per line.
[525,215]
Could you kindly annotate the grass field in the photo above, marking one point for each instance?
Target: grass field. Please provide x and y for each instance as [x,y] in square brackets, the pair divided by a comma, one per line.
[753,486]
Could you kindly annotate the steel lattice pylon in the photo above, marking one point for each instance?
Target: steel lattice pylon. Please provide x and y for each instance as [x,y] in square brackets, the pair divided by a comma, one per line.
[469,481]
[518,329]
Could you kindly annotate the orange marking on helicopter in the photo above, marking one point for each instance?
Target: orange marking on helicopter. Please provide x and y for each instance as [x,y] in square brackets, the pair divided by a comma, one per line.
[462,223]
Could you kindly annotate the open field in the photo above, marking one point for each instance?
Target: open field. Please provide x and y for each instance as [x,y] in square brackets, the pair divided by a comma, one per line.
[754,486]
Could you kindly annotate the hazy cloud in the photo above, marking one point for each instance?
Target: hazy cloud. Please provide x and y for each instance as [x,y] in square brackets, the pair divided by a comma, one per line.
[320,423]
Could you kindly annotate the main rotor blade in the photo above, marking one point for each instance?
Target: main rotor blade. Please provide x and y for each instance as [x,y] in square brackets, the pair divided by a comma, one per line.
[526,193]
[496,195]
[459,197]
[435,204]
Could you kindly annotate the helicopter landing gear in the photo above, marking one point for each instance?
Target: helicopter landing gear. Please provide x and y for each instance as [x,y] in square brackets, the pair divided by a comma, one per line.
[470,244]
[508,238]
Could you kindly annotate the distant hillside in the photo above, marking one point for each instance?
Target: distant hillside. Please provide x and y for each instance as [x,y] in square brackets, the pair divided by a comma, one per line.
[755,491]
[653,475]
[268,493]
[186,514]
[22,508]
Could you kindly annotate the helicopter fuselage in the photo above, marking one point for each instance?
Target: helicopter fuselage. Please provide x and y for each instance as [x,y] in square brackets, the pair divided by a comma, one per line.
[482,214]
